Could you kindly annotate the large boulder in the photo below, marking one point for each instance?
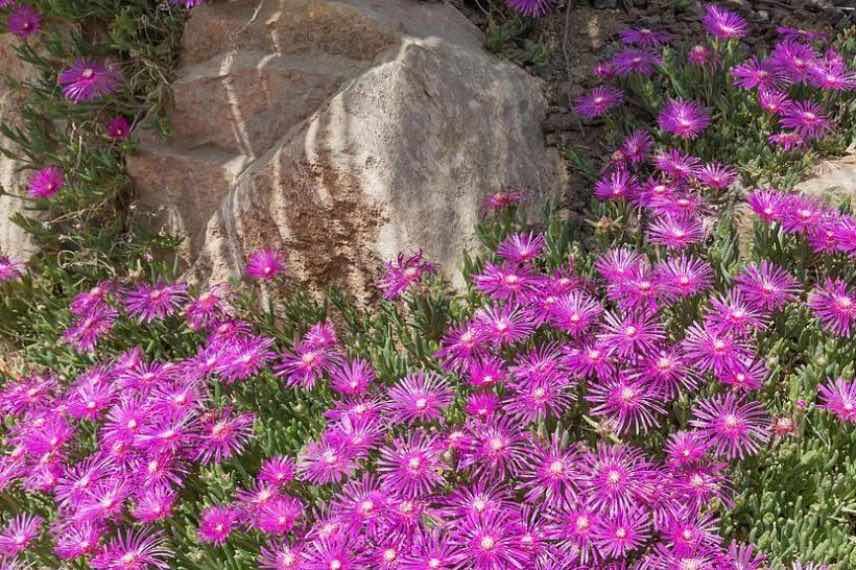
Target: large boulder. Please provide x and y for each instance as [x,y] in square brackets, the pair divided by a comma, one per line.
[832,180]
[342,131]
[14,240]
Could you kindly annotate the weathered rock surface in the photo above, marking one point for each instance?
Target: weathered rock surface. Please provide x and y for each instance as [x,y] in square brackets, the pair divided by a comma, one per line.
[343,131]
[832,180]
[14,240]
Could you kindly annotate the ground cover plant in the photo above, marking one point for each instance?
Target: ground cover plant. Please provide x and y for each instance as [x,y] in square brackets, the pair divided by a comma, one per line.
[655,390]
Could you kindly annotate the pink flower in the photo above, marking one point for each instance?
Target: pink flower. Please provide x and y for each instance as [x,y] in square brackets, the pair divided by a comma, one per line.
[420,396]
[155,302]
[644,37]
[766,286]
[24,21]
[635,61]
[217,523]
[598,102]
[45,183]
[675,233]
[629,405]
[684,119]
[118,128]
[618,185]
[411,465]
[531,8]
[723,24]
[265,264]
[805,118]
[134,549]
[87,80]
[521,247]
[839,397]
[736,428]
[222,434]
[19,533]
[835,306]
[403,273]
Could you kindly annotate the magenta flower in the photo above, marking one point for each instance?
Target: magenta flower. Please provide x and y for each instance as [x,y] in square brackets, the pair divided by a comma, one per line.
[411,466]
[154,504]
[620,263]
[616,478]
[635,61]
[575,313]
[702,56]
[217,523]
[766,286]
[277,516]
[644,37]
[787,141]
[622,533]
[834,306]
[489,542]
[684,119]
[118,128]
[534,400]
[684,276]
[281,557]
[135,549]
[244,358]
[403,273]
[572,528]
[503,199]
[87,80]
[723,24]
[631,334]
[85,332]
[45,183]
[507,281]
[636,146]
[498,449]
[10,269]
[717,176]
[753,74]
[589,361]
[420,396]
[666,372]
[675,233]
[686,449]
[744,375]
[265,264]
[24,21]
[710,350]
[550,473]
[831,73]
[845,237]
[155,302]
[735,427]
[773,101]
[628,404]
[769,205]
[307,364]
[839,397]
[352,378]
[596,103]
[481,406]
[801,213]
[532,8]
[222,434]
[806,118]
[730,313]
[617,185]
[793,58]
[521,247]
[676,164]
[505,325]
[19,533]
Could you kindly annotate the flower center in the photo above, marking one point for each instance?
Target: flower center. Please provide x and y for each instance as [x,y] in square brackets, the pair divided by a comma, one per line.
[487,543]
[87,73]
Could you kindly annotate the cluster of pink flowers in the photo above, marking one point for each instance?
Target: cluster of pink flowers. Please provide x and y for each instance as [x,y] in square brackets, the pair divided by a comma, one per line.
[793,62]
[826,232]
